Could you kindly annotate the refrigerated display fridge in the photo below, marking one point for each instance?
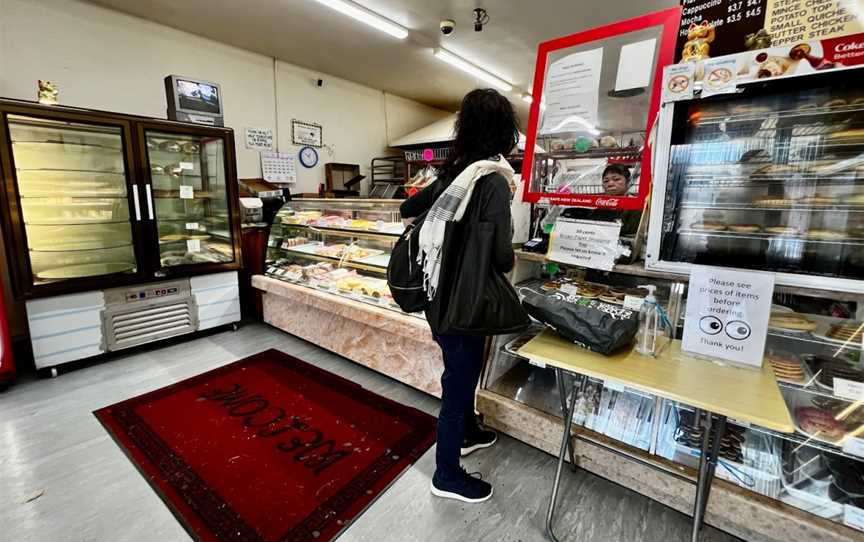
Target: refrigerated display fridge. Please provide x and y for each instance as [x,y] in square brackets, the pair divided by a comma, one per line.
[121,230]
[769,178]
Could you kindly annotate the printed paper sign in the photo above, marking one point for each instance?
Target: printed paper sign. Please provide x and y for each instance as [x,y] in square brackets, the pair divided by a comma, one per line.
[636,65]
[727,314]
[586,243]
[572,93]
[678,82]
[186,166]
[633,302]
[721,76]
[849,389]
[259,139]
[192,226]
[193,245]
[187,191]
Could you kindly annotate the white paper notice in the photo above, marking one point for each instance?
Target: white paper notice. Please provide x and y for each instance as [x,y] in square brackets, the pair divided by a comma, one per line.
[635,65]
[193,245]
[572,93]
[186,166]
[192,226]
[678,82]
[259,139]
[586,243]
[186,191]
[849,389]
[720,76]
[727,314]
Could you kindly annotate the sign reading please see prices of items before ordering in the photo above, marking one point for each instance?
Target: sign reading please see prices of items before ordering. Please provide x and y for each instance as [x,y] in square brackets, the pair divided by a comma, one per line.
[728,313]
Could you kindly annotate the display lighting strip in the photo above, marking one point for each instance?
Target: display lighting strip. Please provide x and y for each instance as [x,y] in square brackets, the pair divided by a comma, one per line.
[367,17]
[467,67]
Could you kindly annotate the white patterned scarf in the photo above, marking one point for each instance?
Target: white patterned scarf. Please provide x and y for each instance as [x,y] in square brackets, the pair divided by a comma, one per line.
[449,207]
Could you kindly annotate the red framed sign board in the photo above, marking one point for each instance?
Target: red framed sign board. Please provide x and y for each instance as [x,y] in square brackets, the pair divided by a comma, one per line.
[596,97]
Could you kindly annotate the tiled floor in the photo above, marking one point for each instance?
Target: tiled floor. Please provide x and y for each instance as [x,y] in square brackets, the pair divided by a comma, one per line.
[50,442]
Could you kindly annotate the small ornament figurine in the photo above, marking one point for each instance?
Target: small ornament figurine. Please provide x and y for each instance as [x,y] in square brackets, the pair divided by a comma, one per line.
[760,40]
[699,38]
[48,93]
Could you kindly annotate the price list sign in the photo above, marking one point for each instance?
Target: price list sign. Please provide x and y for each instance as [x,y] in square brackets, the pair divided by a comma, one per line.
[788,22]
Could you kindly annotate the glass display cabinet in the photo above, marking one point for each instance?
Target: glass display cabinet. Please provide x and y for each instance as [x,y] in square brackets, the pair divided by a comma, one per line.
[93,198]
[340,246]
[771,179]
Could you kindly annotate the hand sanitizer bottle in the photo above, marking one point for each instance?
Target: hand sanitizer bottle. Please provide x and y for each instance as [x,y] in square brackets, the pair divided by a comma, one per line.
[649,323]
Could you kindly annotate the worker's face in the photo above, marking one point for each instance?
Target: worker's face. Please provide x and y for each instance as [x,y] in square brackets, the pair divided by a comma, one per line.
[615,184]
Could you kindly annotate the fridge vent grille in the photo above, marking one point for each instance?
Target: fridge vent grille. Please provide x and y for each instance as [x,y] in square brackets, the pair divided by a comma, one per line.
[150,324]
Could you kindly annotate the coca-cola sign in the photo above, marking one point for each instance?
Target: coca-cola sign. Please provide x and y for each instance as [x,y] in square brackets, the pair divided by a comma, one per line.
[606,202]
[845,47]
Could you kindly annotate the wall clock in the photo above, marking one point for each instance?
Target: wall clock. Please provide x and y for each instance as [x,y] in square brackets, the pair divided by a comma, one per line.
[308,157]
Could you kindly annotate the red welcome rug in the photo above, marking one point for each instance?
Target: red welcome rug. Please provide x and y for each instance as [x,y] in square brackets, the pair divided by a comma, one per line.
[268,448]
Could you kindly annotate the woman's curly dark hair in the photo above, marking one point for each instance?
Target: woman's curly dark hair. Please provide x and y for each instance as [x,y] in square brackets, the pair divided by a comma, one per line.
[487,126]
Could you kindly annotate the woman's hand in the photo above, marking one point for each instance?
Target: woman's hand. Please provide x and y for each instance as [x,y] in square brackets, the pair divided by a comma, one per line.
[408,221]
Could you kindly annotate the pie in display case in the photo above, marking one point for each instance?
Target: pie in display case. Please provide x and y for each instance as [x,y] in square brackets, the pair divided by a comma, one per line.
[339,246]
[770,179]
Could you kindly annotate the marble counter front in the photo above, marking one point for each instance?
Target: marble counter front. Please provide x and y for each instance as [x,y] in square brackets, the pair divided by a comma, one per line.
[397,345]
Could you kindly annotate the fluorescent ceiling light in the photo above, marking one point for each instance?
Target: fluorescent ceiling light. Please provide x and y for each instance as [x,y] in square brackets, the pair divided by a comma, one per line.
[527,98]
[365,16]
[467,67]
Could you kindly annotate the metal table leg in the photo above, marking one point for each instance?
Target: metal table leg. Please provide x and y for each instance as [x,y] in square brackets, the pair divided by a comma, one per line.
[559,376]
[565,442]
[707,464]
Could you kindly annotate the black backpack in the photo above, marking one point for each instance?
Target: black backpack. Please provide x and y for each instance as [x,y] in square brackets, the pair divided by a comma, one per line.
[404,274]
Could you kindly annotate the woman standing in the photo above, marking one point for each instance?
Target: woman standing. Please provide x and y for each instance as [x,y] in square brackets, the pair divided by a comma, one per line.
[475,174]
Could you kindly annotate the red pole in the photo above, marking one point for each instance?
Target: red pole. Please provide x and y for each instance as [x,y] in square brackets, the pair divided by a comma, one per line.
[7,365]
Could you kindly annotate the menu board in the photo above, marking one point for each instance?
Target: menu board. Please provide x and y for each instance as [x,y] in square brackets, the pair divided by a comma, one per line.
[787,21]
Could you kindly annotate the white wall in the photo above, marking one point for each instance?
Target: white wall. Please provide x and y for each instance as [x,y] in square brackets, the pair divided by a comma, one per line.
[106,60]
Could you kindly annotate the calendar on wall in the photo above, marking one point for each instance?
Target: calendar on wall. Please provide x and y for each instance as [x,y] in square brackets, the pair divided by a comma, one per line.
[278,167]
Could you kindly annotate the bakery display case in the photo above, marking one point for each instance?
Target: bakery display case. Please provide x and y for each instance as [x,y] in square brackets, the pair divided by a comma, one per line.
[120,230]
[325,281]
[816,350]
[338,246]
[190,198]
[770,178]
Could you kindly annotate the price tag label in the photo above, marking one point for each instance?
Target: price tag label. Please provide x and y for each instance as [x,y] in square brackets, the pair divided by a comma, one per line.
[192,226]
[536,363]
[849,389]
[633,303]
[854,446]
[193,245]
[569,289]
[186,191]
[853,517]
[187,166]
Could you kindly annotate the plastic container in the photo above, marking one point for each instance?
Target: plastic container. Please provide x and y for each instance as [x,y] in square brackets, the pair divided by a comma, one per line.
[649,323]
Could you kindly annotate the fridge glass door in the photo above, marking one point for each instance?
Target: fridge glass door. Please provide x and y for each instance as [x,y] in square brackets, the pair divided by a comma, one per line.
[71,180]
[770,181]
[190,203]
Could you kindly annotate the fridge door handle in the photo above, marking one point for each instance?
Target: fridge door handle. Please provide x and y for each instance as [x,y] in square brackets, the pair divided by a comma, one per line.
[137,202]
[149,202]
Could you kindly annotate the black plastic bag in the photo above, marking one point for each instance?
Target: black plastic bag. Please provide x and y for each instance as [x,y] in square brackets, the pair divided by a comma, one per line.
[600,327]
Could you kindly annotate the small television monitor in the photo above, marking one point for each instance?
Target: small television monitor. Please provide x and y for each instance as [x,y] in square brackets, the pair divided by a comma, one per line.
[193,100]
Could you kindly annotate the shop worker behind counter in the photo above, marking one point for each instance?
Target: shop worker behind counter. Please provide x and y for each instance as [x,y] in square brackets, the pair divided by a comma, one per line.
[616,182]
[486,129]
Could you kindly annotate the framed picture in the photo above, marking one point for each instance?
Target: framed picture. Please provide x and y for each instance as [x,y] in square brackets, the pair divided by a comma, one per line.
[596,95]
[307,134]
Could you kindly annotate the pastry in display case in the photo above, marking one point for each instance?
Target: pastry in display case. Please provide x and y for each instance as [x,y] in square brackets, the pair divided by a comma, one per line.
[338,246]
[770,179]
